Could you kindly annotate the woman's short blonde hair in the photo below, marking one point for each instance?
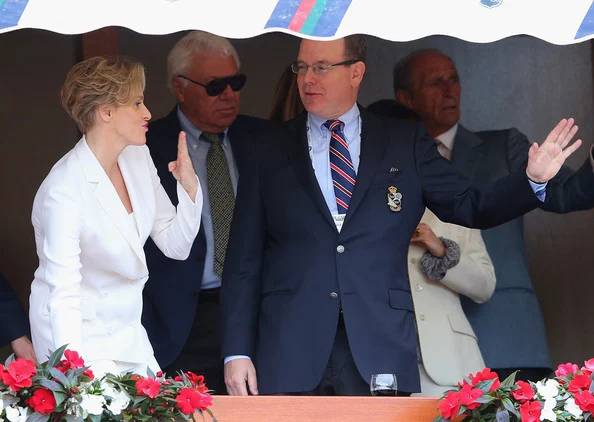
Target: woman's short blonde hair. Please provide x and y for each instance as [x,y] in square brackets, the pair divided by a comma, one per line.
[100,81]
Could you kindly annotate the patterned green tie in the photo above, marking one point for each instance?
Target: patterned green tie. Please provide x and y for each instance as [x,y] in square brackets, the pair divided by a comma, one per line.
[221,195]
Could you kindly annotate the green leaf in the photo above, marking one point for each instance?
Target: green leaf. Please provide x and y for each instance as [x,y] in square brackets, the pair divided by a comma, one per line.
[95,418]
[56,356]
[9,359]
[60,397]
[510,380]
[509,406]
[60,377]
[51,385]
[38,417]
[502,415]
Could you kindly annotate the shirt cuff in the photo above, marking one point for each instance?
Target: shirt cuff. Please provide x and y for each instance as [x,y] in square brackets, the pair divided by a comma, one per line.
[230,358]
[539,189]
[435,268]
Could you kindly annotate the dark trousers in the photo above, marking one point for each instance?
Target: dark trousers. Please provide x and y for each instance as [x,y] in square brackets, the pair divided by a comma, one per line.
[202,352]
[341,376]
[524,374]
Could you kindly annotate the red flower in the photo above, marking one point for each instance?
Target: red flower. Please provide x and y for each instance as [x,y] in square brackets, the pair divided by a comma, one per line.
[530,411]
[450,405]
[19,374]
[43,401]
[196,380]
[524,392]
[486,375]
[579,383]
[468,395]
[74,359]
[565,369]
[190,400]
[148,386]
[185,400]
[89,374]
[585,401]
[588,367]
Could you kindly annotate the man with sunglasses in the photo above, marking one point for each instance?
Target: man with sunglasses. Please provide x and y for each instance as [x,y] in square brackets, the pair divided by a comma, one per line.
[316,296]
[181,299]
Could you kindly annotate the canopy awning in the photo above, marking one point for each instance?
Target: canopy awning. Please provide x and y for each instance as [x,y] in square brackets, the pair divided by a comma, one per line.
[558,22]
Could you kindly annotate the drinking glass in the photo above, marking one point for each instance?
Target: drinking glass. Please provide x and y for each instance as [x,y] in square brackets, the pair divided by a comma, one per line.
[383,385]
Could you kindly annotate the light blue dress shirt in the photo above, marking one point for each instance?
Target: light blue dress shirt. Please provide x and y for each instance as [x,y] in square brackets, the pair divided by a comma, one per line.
[198,148]
[319,150]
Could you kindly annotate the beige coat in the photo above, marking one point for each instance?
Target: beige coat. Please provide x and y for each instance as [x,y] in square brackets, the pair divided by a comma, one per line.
[448,345]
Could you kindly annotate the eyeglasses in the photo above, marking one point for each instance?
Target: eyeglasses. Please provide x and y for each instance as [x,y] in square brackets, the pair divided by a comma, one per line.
[217,86]
[319,68]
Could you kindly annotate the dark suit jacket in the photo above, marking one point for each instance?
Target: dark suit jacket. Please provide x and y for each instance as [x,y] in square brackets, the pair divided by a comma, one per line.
[512,315]
[288,270]
[170,299]
[15,322]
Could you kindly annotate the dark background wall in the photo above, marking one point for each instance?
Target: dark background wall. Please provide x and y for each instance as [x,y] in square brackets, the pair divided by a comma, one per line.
[519,81]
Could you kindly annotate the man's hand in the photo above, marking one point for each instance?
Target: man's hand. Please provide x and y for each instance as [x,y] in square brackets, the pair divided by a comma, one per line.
[237,372]
[23,348]
[544,161]
[424,236]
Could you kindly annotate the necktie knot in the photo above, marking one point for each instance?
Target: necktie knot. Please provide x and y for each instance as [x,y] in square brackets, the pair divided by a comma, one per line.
[213,138]
[334,125]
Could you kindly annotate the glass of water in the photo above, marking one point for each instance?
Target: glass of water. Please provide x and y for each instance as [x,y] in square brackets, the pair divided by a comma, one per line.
[383,385]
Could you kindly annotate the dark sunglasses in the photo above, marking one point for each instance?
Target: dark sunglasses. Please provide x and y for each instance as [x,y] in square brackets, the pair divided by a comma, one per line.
[217,86]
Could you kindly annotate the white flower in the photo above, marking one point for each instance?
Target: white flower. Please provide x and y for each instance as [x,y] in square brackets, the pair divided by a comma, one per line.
[572,408]
[92,403]
[119,403]
[16,414]
[548,390]
[547,413]
[119,399]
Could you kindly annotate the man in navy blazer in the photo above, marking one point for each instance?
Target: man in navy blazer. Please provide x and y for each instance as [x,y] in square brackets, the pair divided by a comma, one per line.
[315,300]
[15,323]
[181,298]
[427,82]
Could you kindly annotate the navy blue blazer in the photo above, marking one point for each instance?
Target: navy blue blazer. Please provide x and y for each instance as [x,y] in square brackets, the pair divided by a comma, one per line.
[288,270]
[170,294]
[512,315]
[15,322]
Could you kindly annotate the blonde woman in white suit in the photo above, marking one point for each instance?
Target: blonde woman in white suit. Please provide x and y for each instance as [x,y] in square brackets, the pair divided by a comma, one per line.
[92,215]
[445,261]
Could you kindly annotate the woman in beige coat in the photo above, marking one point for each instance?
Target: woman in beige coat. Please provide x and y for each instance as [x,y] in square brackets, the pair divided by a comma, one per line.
[445,261]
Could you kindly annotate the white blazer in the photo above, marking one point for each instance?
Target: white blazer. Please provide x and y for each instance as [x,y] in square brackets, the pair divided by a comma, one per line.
[87,290]
[448,345]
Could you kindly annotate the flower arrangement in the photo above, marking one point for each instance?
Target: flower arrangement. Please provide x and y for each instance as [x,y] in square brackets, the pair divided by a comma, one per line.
[65,389]
[483,397]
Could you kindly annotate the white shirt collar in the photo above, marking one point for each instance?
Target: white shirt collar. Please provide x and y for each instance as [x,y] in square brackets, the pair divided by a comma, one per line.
[447,138]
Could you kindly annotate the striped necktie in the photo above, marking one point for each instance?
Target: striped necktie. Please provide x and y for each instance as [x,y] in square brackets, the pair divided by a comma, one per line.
[221,196]
[341,166]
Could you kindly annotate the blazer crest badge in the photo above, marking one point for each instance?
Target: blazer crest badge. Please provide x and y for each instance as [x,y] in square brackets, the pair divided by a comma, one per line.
[394,199]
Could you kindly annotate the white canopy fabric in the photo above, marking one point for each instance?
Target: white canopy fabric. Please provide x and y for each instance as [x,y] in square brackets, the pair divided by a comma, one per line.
[558,22]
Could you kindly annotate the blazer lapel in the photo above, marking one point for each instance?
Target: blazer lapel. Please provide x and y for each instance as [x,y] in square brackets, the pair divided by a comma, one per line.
[374,141]
[108,198]
[467,153]
[302,165]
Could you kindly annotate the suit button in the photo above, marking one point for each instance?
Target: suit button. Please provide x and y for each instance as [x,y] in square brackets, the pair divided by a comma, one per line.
[418,287]
[422,317]
[413,260]
[340,249]
[333,295]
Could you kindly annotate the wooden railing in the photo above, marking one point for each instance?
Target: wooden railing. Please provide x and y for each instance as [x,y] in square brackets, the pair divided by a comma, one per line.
[322,409]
